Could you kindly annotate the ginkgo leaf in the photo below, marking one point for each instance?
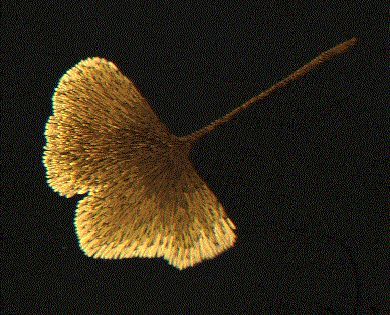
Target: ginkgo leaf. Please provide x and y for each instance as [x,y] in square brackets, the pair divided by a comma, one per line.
[144,196]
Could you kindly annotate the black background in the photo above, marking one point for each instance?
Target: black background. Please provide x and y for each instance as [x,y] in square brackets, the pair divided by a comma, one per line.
[300,174]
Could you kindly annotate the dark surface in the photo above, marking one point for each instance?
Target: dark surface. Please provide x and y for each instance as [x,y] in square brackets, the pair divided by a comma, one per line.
[301,175]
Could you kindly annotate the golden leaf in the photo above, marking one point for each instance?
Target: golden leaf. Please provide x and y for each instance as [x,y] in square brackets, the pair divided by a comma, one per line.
[145,198]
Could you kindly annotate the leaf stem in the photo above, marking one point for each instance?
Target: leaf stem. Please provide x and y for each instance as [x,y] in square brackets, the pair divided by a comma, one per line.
[323,57]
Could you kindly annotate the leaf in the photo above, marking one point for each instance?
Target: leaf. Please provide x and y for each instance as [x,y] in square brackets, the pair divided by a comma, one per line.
[145,198]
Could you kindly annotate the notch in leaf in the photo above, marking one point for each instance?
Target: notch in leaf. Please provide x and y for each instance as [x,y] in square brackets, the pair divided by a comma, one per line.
[145,198]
